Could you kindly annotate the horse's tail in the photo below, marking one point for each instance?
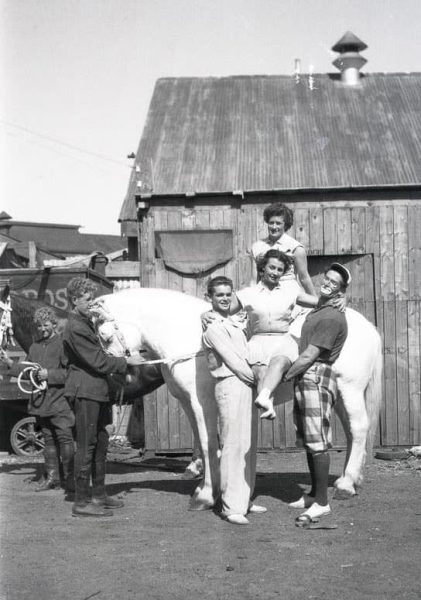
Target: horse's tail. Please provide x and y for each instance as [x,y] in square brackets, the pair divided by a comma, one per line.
[373,397]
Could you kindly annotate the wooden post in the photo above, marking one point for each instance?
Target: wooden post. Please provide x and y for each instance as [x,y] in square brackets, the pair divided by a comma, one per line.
[32,252]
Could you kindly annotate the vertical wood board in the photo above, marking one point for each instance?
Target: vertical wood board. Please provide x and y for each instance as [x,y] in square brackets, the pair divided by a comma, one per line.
[402,397]
[414,370]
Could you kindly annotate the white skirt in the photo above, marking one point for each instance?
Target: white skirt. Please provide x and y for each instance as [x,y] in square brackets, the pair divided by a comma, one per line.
[261,348]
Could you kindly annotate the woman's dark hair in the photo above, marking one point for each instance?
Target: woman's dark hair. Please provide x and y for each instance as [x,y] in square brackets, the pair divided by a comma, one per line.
[219,280]
[273,253]
[279,210]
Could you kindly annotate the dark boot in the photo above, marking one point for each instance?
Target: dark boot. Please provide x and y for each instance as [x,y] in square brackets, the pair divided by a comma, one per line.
[67,453]
[99,495]
[98,479]
[82,487]
[90,510]
[49,483]
[107,502]
[52,480]
[83,507]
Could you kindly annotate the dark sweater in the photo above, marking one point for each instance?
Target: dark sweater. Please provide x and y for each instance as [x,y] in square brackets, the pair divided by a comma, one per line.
[50,355]
[88,364]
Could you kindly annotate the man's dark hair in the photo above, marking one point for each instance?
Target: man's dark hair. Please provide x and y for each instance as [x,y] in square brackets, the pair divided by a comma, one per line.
[219,280]
[279,210]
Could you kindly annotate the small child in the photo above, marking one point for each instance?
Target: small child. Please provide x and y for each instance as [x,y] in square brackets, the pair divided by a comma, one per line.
[50,406]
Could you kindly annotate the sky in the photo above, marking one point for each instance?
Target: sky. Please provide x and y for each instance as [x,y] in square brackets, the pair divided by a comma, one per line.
[78,75]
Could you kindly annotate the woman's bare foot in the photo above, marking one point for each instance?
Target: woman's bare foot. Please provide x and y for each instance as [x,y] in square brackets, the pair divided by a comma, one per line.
[265,401]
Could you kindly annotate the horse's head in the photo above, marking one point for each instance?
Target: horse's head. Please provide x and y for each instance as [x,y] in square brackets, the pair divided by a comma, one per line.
[120,338]
[117,337]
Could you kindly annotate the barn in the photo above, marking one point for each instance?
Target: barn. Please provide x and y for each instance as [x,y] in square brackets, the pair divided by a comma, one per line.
[342,150]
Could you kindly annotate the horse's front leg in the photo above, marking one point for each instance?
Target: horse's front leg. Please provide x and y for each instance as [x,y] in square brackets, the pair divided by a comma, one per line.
[353,415]
[196,393]
[195,468]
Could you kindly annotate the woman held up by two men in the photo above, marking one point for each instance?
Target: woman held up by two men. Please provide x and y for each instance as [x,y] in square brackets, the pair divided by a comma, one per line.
[270,356]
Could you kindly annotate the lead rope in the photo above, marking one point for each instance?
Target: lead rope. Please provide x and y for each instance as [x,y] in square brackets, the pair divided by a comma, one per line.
[32,369]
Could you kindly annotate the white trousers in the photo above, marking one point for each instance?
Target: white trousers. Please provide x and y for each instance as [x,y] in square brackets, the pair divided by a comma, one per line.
[238,439]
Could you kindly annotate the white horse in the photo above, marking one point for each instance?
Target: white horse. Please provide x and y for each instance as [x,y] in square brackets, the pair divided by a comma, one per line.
[166,326]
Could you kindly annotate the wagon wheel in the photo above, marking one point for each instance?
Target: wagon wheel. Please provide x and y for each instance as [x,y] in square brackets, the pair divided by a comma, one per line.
[26,438]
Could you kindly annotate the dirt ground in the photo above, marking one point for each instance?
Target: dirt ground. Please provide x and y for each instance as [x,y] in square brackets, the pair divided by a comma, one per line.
[154,548]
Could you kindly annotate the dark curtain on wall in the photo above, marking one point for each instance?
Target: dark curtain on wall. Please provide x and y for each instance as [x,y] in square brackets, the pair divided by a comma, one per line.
[194,252]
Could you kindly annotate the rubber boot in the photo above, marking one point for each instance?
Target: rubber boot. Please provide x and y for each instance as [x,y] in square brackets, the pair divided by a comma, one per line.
[52,480]
[82,506]
[67,452]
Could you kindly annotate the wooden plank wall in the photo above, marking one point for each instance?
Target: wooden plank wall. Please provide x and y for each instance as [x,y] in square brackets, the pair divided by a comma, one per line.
[380,241]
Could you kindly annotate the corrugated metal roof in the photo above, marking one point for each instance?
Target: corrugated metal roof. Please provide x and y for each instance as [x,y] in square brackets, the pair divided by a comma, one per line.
[269,132]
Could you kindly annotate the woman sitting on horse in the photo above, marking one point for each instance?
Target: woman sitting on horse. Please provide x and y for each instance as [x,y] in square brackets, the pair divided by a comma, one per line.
[269,304]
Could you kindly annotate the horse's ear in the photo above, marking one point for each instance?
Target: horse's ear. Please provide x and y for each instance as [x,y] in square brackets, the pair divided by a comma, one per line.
[5,293]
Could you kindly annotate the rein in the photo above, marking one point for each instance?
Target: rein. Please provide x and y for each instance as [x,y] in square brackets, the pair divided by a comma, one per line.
[167,360]
[31,370]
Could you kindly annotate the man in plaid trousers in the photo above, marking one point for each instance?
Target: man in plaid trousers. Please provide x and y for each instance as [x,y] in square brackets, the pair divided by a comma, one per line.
[322,338]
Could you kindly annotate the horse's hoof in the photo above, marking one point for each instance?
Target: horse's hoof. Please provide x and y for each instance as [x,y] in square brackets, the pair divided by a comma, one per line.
[198,505]
[340,494]
[189,474]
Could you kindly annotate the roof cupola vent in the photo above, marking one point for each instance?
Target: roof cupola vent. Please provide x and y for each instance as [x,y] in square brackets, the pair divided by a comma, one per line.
[349,61]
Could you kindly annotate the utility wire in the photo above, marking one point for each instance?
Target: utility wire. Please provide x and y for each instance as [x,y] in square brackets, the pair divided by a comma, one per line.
[84,160]
[66,144]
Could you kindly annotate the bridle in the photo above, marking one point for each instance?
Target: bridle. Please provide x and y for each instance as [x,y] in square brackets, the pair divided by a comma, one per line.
[102,315]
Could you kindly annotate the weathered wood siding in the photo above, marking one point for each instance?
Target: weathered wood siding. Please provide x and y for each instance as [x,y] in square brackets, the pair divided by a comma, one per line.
[377,236]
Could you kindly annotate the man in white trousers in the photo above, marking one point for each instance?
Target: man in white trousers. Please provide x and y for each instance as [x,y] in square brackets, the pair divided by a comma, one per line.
[225,344]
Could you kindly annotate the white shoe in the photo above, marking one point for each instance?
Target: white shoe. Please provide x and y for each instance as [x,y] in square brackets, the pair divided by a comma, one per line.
[315,512]
[257,509]
[303,502]
[237,519]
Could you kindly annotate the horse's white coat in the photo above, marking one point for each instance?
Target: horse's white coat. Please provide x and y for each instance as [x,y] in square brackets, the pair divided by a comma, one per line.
[167,324]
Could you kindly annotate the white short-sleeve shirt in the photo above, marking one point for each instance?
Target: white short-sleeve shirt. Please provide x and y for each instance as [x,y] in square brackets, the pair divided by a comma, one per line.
[286,244]
[269,311]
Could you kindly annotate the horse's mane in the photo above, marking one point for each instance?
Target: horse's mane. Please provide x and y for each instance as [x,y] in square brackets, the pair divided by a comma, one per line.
[168,320]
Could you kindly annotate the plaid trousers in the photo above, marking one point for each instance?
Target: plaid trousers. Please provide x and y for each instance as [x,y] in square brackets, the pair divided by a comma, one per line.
[314,395]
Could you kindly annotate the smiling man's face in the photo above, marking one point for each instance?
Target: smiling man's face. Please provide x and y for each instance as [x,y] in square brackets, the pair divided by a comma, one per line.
[221,298]
[331,284]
